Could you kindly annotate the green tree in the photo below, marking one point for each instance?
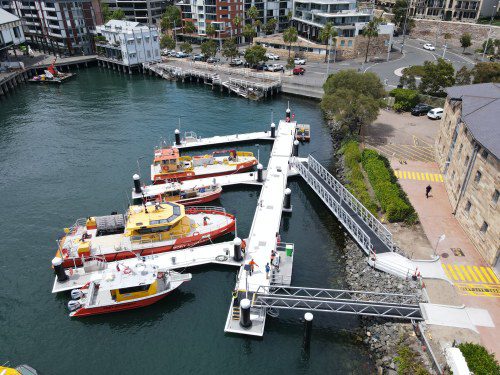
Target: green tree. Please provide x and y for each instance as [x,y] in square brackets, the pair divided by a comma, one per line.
[255,55]
[371,31]
[230,48]
[290,63]
[167,42]
[106,13]
[118,14]
[463,76]
[364,83]
[257,24]
[189,27]
[171,17]
[465,41]
[237,22]
[186,47]
[289,16]
[270,26]
[327,32]
[437,76]
[492,43]
[290,36]
[209,48]
[253,13]
[249,32]
[408,80]
[211,30]
[400,11]
[485,72]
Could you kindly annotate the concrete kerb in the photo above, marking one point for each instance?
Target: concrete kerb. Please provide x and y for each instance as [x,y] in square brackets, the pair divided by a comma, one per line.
[422,329]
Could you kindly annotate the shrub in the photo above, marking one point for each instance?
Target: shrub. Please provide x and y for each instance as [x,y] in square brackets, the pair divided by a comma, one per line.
[389,193]
[357,185]
[408,362]
[478,359]
[416,70]
[405,99]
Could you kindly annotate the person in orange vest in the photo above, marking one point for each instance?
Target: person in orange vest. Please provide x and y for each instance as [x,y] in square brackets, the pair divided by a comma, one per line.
[252,265]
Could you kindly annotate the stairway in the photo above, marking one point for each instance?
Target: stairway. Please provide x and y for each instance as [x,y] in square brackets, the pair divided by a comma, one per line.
[236,313]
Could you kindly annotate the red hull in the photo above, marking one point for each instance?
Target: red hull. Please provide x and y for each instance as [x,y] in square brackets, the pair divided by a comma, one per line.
[161,179]
[82,312]
[205,199]
[179,244]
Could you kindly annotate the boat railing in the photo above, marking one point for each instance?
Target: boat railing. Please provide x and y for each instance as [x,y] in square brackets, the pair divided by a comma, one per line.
[202,209]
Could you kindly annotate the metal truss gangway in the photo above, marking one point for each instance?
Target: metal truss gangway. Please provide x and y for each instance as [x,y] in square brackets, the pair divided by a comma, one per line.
[371,234]
[381,305]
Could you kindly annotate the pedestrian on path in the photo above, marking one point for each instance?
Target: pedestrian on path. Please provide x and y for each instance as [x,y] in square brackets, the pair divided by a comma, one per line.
[268,269]
[252,265]
[427,191]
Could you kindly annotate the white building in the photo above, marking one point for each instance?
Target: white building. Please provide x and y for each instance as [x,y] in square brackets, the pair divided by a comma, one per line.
[11,32]
[127,43]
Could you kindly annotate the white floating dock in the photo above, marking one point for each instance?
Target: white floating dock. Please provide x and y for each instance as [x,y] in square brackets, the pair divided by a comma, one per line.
[191,140]
[266,223]
[219,253]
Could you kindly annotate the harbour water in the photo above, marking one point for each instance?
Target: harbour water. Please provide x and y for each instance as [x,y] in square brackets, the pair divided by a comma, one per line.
[69,152]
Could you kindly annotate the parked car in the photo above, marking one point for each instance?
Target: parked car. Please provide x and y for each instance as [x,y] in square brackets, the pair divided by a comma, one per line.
[198,57]
[435,114]
[274,67]
[420,109]
[213,60]
[298,70]
[236,62]
[272,56]
[429,47]
[298,61]
[165,52]
[172,53]
[259,67]
[181,55]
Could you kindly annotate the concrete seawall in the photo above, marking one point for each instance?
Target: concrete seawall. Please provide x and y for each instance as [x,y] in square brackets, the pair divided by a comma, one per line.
[299,89]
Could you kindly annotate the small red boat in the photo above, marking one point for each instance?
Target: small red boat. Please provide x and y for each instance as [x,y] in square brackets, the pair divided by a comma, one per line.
[168,165]
[145,230]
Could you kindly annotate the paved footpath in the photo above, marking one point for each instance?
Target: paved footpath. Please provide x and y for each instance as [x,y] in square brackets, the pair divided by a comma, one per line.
[475,282]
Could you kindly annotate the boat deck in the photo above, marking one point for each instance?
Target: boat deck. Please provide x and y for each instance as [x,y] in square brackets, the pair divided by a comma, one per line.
[219,253]
[198,142]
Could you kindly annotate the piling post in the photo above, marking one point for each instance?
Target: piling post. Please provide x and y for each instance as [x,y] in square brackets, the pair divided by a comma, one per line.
[260,169]
[59,269]
[295,151]
[177,137]
[287,203]
[288,113]
[273,130]
[308,322]
[245,321]
[237,249]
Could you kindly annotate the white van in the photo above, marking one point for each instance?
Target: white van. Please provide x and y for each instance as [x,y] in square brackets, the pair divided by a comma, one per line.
[435,114]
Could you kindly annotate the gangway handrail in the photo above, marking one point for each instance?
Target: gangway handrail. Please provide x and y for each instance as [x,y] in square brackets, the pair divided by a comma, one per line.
[349,223]
[378,228]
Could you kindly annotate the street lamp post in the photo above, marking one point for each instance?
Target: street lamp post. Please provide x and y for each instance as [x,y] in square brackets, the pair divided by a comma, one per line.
[328,59]
[440,239]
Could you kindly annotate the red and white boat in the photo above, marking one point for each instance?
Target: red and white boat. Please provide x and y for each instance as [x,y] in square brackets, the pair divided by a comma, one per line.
[143,230]
[177,192]
[168,165]
[124,288]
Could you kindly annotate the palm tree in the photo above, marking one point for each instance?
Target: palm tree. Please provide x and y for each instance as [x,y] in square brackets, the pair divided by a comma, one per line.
[249,32]
[290,36]
[371,31]
[189,27]
[327,32]
[237,22]
[253,13]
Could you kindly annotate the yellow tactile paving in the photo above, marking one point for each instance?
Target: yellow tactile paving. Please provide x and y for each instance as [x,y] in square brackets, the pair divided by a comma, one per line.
[492,274]
[464,271]
[476,274]
[479,290]
[420,176]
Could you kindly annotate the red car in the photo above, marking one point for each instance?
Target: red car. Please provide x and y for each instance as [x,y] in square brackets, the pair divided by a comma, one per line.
[298,70]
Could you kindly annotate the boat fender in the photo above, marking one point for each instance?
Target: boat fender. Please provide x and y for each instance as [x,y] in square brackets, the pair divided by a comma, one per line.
[196,234]
[127,270]
[161,275]
[76,294]
[74,305]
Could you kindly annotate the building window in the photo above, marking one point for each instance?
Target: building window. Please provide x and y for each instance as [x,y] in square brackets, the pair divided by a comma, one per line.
[466,161]
[484,154]
[17,34]
[342,43]
[484,227]
[495,196]
[478,176]
[468,205]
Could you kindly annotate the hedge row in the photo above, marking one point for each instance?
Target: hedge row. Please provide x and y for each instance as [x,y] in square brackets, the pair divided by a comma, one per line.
[356,182]
[389,193]
[479,361]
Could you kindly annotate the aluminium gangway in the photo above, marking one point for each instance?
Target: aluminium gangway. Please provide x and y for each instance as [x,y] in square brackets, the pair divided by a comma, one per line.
[382,305]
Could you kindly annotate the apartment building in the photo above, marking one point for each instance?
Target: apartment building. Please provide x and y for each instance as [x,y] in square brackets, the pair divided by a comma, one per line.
[451,10]
[467,151]
[147,12]
[127,43]
[11,32]
[58,27]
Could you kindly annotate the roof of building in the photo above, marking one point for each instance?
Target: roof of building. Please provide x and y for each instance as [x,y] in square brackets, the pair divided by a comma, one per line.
[122,26]
[481,111]
[6,17]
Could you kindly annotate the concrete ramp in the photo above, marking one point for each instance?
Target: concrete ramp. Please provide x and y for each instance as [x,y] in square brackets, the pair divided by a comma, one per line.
[452,316]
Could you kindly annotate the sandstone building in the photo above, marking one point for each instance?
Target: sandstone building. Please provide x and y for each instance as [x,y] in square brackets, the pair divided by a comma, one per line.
[467,150]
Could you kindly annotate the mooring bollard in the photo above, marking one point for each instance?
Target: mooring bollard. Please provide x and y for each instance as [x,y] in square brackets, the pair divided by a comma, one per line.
[308,323]
[295,151]
[260,169]
[59,269]
[245,321]
[288,113]
[137,183]
[237,249]
[177,137]
[273,130]
[287,204]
